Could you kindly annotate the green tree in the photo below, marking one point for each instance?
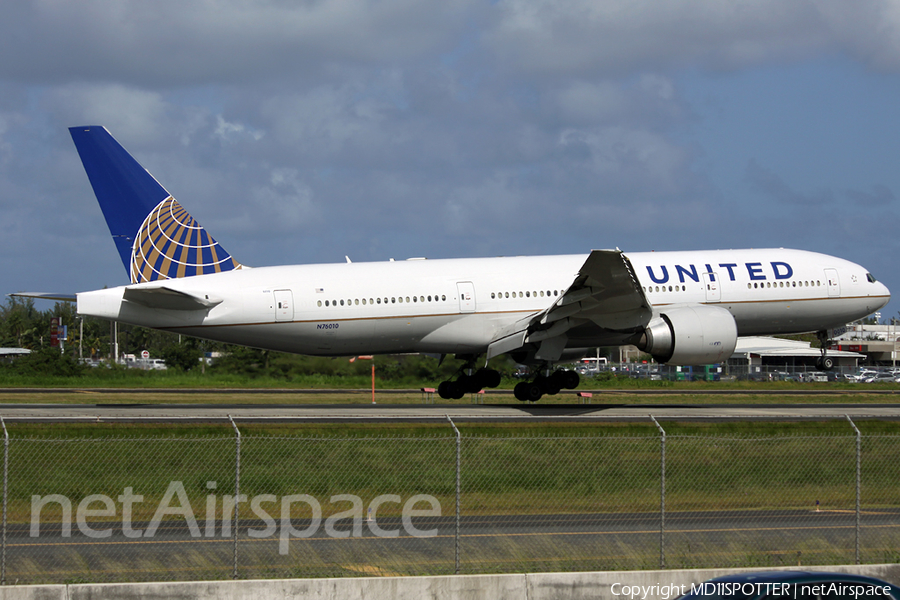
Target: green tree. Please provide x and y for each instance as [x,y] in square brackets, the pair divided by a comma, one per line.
[184,356]
[48,362]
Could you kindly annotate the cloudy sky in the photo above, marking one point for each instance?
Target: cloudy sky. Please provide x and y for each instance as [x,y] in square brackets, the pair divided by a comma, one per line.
[300,132]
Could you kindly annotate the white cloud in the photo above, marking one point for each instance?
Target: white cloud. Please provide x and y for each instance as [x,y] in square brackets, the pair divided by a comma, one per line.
[132,115]
[226,131]
[620,36]
[170,42]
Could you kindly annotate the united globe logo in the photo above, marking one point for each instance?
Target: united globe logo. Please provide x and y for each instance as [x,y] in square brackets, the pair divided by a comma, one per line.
[171,244]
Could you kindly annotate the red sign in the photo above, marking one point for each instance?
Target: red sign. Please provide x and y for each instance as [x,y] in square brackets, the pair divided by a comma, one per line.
[54,332]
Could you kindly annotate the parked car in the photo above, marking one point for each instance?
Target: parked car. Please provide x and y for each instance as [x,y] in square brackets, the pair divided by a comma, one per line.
[793,585]
[881,378]
[865,374]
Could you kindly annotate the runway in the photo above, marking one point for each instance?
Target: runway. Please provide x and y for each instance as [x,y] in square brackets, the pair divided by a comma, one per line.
[494,542]
[435,412]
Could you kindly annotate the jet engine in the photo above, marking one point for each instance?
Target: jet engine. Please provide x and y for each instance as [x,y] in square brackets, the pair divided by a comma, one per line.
[690,335]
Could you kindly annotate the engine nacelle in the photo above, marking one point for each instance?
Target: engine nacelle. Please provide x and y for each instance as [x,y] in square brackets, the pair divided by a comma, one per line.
[691,335]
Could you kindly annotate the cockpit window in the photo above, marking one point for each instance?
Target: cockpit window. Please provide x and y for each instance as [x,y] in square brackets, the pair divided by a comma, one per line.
[870,278]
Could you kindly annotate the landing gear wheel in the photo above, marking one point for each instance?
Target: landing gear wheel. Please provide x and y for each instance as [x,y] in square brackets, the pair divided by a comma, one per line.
[568,379]
[444,390]
[457,391]
[533,392]
[488,378]
[519,391]
[467,383]
[549,385]
[825,363]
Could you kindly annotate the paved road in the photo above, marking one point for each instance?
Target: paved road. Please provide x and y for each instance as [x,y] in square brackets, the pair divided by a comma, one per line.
[388,412]
[486,543]
[878,390]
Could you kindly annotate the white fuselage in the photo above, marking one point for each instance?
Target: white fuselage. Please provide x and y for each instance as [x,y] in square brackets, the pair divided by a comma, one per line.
[460,305]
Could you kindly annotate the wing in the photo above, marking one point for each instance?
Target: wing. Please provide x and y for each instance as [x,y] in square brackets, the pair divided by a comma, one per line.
[605,292]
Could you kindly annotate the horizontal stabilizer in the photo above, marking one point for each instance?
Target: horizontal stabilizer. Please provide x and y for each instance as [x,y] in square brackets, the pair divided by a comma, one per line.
[167,298]
[46,296]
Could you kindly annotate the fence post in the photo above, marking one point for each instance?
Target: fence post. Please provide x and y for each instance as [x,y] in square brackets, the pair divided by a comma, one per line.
[662,494]
[5,498]
[858,479]
[237,492]
[458,455]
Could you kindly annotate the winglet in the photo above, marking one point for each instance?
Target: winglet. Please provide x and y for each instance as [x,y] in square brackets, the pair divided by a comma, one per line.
[156,238]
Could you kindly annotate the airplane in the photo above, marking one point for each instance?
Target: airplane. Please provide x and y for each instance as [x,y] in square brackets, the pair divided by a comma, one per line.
[684,308]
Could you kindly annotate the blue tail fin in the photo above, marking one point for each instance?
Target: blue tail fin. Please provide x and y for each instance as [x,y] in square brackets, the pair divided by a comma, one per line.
[155,236]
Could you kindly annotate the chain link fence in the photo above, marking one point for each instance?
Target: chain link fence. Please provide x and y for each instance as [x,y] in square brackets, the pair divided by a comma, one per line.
[236,505]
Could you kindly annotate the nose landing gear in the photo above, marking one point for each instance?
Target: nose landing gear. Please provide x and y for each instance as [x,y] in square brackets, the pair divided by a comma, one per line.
[824,362]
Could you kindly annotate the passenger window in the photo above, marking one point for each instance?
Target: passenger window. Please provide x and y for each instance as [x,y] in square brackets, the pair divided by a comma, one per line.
[342,302]
[443,298]
[320,303]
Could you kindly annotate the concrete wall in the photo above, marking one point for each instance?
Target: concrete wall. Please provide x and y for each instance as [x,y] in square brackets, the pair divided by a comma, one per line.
[598,586]
[535,586]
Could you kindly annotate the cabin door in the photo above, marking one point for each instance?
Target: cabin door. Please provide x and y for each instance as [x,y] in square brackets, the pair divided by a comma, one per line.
[284,305]
[834,284]
[466,291]
[711,283]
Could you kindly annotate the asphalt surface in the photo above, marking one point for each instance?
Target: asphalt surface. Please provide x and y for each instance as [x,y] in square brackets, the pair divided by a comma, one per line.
[436,412]
[487,543]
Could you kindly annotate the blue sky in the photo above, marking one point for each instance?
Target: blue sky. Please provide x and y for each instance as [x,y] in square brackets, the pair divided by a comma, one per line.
[304,132]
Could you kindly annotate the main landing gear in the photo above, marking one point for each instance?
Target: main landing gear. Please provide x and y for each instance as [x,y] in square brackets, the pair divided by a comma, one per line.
[468,382]
[532,391]
[824,362]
